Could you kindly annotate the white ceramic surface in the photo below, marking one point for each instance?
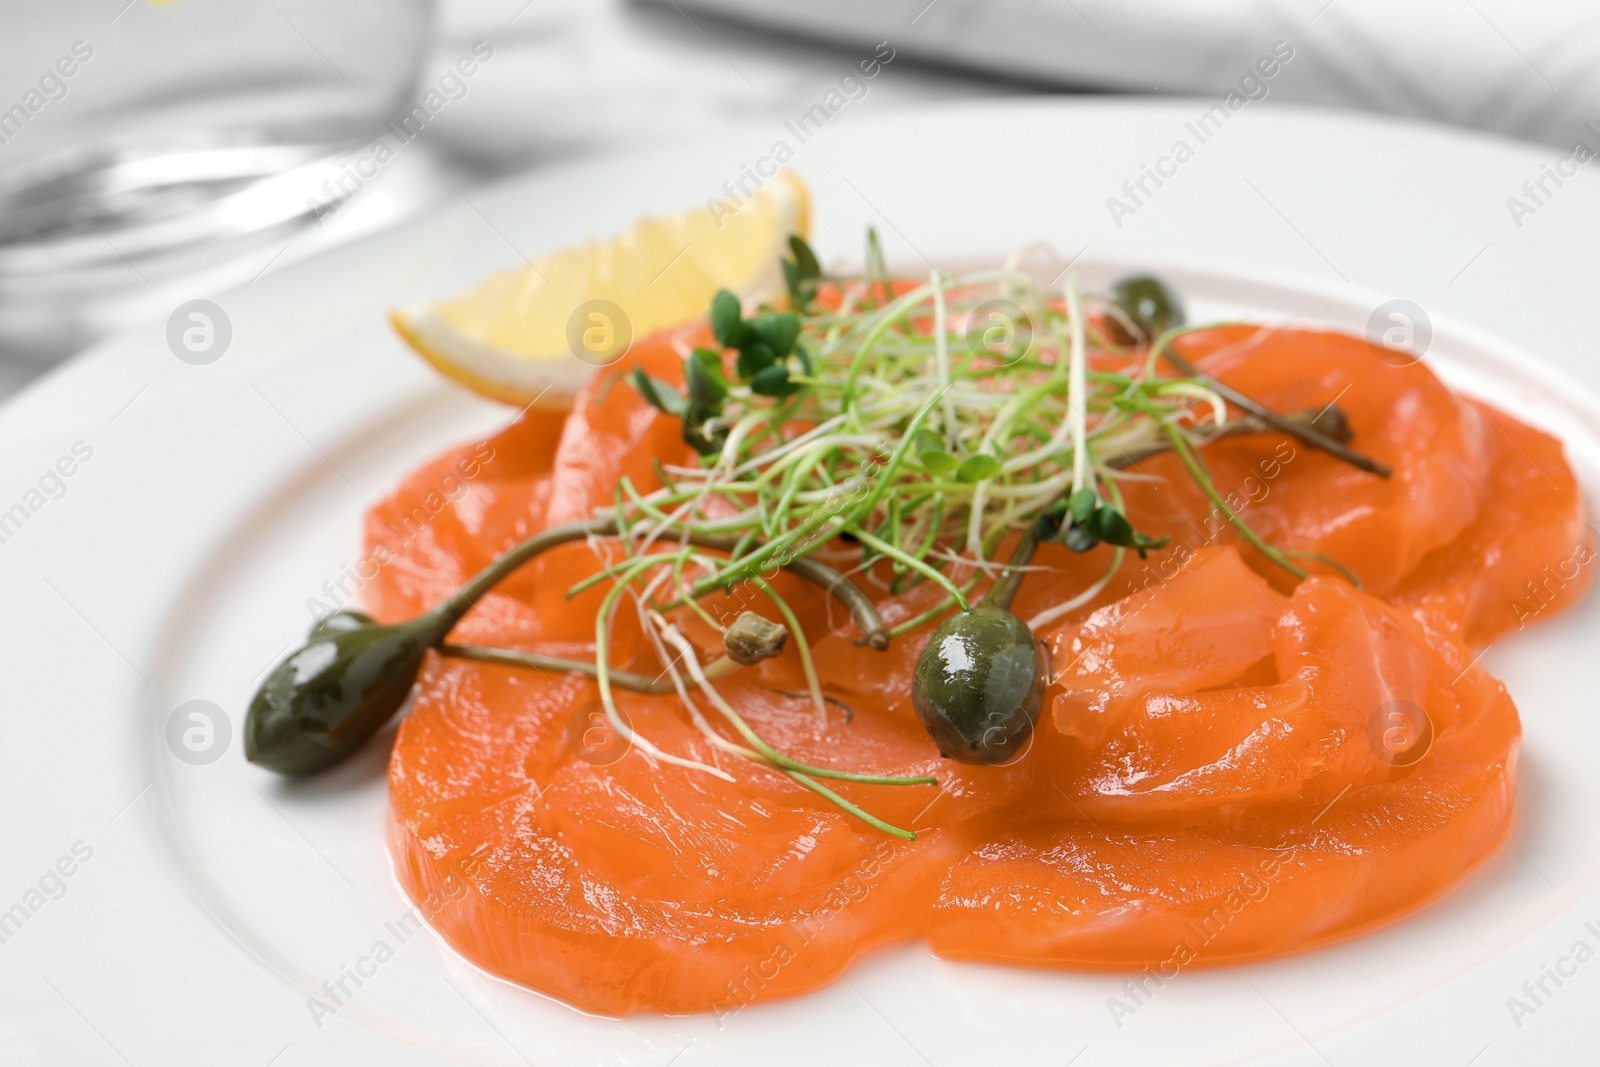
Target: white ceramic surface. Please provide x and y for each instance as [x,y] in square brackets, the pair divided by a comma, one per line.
[175,564]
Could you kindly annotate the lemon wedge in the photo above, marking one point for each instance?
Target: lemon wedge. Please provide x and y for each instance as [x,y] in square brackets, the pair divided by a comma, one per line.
[535,333]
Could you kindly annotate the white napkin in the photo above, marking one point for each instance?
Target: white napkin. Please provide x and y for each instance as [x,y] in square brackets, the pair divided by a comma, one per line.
[1528,70]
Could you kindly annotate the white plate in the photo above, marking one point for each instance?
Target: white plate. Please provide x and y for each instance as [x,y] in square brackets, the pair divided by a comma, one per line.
[176,563]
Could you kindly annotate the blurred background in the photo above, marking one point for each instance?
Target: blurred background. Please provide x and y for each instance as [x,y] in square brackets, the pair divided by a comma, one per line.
[152,151]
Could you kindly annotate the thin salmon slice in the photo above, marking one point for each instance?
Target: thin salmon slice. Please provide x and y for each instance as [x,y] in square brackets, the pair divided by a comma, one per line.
[1187,749]
[1205,627]
[1526,556]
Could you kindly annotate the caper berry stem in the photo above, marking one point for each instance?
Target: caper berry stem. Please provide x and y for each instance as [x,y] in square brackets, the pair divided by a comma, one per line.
[514,657]
[721,667]
[748,641]
[874,631]
[1304,431]
[461,601]
[1331,419]
[1004,590]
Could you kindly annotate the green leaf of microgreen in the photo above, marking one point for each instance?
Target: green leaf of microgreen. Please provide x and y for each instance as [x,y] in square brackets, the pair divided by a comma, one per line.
[1078,538]
[754,358]
[805,260]
[779,331]
[661,396]
[698,438]
[977,468]
[1112,526]
[773,381]
[799,297]
[707,389]
[800,274]
[726,324]
[937,461]
[702,373]
[1109,524]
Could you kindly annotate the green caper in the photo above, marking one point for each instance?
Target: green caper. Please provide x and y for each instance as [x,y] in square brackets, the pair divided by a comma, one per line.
[325,700]
[337,622]
[979,685]
[336,691]
[1150,306]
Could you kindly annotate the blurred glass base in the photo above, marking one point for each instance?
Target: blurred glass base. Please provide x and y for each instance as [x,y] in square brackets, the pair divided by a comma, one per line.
[152,152]
[89,245]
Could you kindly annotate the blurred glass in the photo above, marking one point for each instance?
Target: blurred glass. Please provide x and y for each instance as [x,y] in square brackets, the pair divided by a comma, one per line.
[144,144]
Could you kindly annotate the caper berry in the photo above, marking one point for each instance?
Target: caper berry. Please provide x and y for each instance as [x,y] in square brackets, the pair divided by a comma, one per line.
[324,701]
[337,622]
[1149,305]
[979,685]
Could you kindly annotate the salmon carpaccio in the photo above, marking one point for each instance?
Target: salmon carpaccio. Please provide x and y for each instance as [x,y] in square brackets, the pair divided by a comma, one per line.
[1231,764]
